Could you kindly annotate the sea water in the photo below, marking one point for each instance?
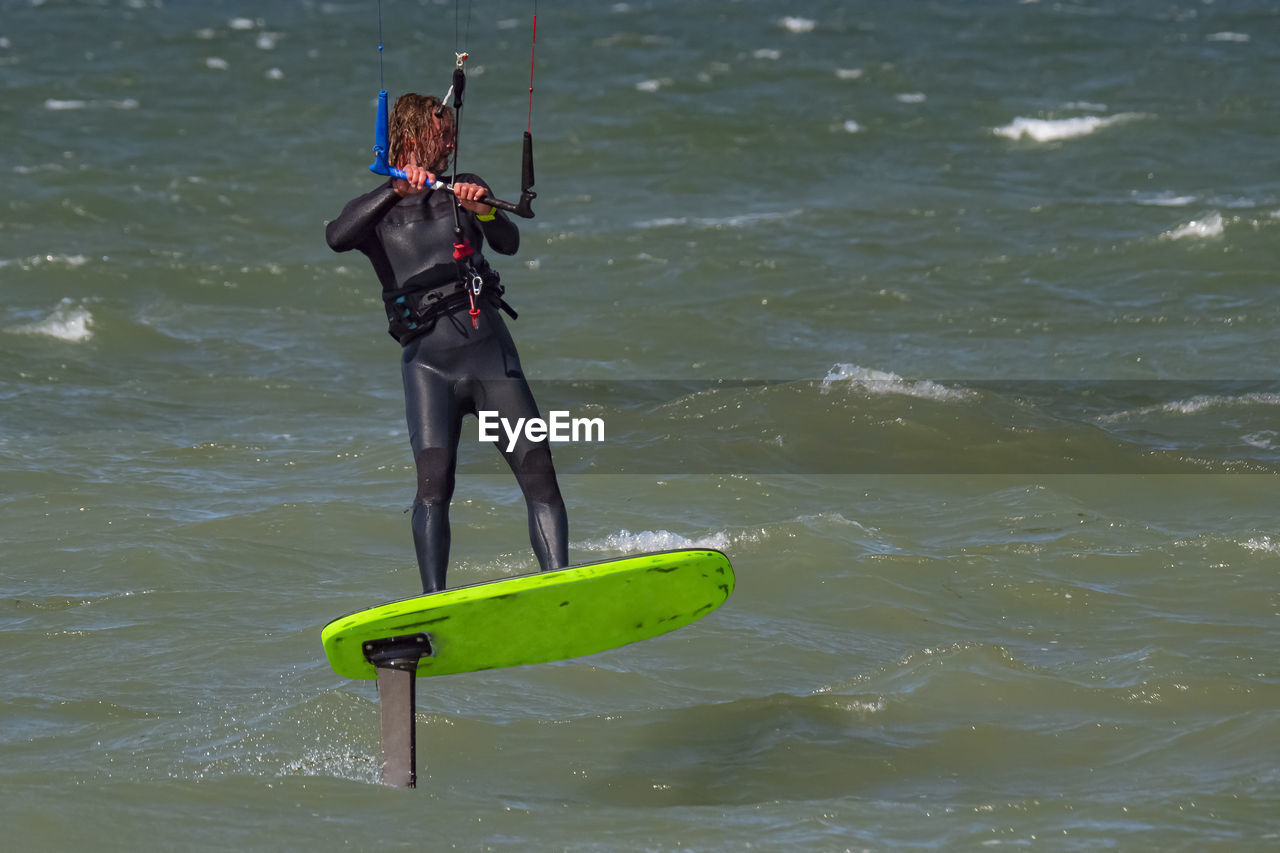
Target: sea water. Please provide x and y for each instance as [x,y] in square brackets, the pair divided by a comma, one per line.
[953,324]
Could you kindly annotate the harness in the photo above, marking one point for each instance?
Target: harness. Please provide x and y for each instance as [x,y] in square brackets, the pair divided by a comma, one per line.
[414,311]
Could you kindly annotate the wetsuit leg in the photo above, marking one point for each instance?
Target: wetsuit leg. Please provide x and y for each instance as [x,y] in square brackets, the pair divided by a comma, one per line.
[453,372]
[531,463]
[548,519]
[435,424]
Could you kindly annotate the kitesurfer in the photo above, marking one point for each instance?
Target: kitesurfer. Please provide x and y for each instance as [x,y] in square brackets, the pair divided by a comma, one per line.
[458,357]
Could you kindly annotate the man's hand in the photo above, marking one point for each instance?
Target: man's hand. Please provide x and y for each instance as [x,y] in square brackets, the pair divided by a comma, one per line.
[468,195]
[416,180]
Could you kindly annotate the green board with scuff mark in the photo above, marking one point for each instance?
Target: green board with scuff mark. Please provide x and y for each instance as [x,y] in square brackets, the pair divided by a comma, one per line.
[540,617]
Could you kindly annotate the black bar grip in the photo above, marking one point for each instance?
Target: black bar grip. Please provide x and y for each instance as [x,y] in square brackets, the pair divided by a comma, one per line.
[459,83]
[523,208]
[526,164]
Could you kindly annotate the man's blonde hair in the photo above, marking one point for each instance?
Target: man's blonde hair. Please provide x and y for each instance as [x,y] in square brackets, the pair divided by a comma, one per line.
[422,126]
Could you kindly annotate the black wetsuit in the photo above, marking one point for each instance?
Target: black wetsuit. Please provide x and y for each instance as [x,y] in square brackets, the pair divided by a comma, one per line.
[450,368]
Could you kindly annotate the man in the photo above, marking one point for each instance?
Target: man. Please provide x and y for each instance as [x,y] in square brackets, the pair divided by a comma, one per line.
[458,357]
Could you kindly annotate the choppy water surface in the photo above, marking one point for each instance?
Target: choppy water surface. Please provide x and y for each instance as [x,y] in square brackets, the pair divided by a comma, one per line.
[953,324]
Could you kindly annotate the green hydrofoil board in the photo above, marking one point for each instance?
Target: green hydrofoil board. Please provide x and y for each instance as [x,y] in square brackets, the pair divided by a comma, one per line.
[540,617]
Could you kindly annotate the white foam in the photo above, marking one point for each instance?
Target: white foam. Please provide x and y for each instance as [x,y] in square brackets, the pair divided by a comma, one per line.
[645,541]
[42,167]
[1235,37]
[1053,130]
[274,74]
[241,23]
[1263,440]
[75,104]
[68,322]
[217,63]
[910,97]
[767,53]
[797,25]
[880,382]
[1165,199]
[1234,202]
[848,73]
[1200,403]
[1263,543]
[1209,226]
[267,41]
[649,85]
[737,221]
[865,708]
[851,126]
[62,260]
[1195,405]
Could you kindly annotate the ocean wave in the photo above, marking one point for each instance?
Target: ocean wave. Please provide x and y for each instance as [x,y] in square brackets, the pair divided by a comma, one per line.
[1197,404]
[59,105]
[797,25]
[1210,226]
[31,170]
[1053,130]
[645,541]
[59,260]
[1263,543]
[68,322]
[882,382]
[1165,199]
[717,222]
[1263,440]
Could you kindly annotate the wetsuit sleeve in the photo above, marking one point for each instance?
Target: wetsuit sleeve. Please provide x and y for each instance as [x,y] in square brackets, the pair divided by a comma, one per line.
[501,234]
[354,227]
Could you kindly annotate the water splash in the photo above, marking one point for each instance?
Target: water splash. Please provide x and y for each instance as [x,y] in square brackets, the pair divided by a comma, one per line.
[68,322]
[882,382]
[1054,130]
[1210,226]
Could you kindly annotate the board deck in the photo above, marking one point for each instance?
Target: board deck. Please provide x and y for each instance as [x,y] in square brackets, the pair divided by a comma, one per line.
[540,617]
